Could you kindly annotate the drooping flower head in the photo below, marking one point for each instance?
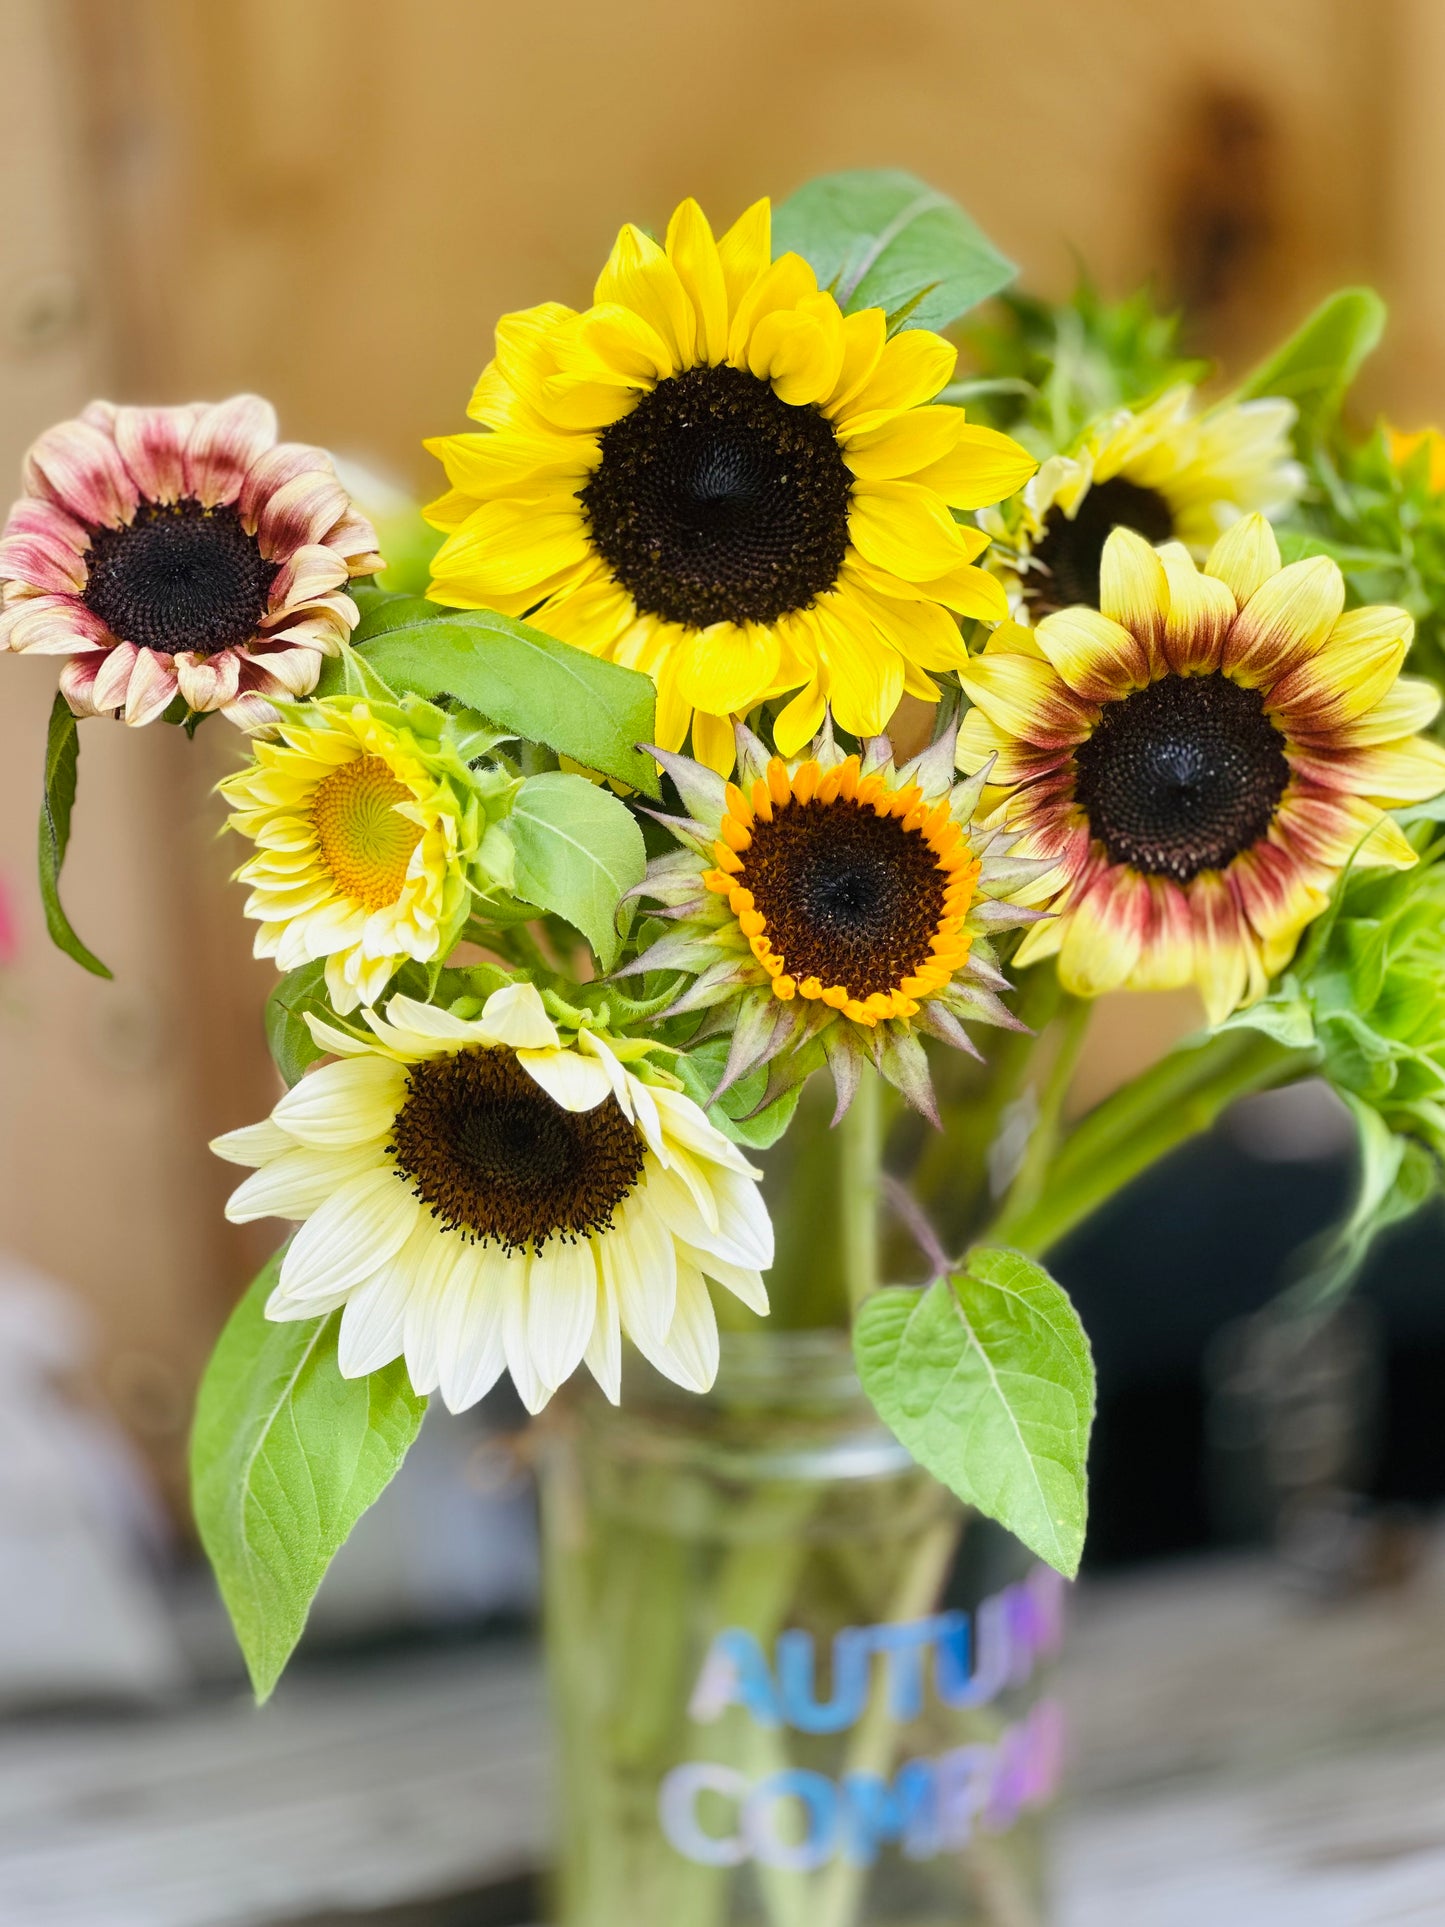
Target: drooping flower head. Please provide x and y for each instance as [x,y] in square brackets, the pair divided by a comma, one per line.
[483,1194]
[1200,760]
[374,840]
[184,551]
[837,898]
[1167,473]
[716,476]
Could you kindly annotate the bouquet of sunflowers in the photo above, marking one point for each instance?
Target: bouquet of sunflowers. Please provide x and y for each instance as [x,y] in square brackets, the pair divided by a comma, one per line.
[585,852]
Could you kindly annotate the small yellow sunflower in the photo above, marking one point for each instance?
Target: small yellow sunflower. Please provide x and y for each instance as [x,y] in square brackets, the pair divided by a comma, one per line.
[837,898]
[373,838]
[1199,761]
[1166,472]
[482,1194]
[717,477]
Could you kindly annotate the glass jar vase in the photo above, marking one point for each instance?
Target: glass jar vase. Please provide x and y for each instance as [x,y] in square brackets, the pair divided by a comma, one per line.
[795,1683]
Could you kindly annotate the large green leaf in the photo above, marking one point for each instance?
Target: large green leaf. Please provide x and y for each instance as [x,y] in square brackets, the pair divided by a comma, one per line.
[286,1455]
[880,238]
[579,851]
[1315,367]
[986,1377]
[62,770]
[518,678]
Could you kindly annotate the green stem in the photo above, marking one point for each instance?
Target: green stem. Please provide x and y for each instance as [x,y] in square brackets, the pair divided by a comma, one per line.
[1071,1026]
[860,1156]
[1179,1097]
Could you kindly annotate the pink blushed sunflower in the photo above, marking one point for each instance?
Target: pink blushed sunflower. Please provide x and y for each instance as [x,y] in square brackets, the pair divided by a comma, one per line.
[181,551]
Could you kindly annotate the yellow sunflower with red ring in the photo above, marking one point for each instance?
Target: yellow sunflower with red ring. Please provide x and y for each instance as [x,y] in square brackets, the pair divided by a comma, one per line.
[717,477]
[1199,760]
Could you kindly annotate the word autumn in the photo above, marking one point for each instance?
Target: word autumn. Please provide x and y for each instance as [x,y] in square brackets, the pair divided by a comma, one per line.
[796,1820]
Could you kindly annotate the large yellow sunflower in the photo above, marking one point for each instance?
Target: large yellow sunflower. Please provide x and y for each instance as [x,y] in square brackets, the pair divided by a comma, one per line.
[1200,759]
[716,476]
[1167,472]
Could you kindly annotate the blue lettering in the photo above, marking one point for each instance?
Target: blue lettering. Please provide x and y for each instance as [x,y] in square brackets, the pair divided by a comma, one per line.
[796,1682]
[874,1812]
[761,1821]
[735,1673]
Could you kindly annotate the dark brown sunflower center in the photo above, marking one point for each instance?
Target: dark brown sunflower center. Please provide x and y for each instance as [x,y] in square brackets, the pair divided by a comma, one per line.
[850,897]
[714,501]
[1066,561]
[496,1158]
[1181,776]
[179,577]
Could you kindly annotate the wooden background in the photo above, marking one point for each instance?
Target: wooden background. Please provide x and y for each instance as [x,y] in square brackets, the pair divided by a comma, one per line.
[332,200]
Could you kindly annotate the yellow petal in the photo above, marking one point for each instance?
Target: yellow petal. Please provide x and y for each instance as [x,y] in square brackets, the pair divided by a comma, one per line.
[905,529]
[799,350]
[1027,697]
[1410,705]
[911,368]
[1287,619]
[783,285]
[1201,608]
[902,443]
[614,340]
[693,253]
[714,743]
[745,251]
[1098,658]
[1245,557]
[1392,774]
[799,721]
[1227,967]
[1134,589]
[727,667]
[983,467]
[1344,680]
[865,334]
[1104,934]
[970,592]
[638,275]
[864,674]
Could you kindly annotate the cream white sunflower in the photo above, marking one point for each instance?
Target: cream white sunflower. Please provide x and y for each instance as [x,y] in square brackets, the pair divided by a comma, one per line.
[484,1194]
[374,840]
[1168,472]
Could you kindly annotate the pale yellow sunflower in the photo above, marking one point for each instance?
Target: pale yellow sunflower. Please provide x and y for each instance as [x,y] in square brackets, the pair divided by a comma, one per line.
[1168,472]
[374,840]
[716,476]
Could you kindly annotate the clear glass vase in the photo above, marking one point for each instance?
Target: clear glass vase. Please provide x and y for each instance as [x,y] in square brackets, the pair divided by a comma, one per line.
[795,1683]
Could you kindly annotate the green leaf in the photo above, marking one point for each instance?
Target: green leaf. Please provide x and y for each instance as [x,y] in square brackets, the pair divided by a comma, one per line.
[288,1038]
[286,1455]
[1315,367]
[579,851]
[1286,1017]
[546,691]
[880,238]
[62,768]
[986,1378]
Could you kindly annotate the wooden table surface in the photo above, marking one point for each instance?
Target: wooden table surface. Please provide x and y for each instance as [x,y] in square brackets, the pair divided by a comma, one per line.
[1242,1756]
